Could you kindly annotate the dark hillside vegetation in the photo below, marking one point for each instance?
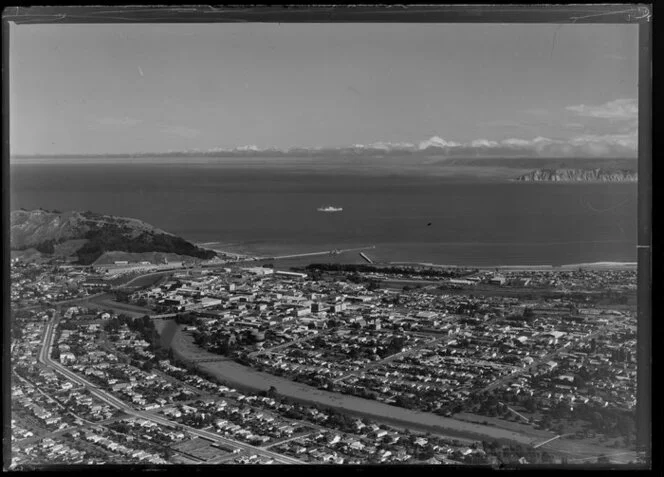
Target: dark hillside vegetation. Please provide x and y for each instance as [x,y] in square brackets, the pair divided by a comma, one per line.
[110,238]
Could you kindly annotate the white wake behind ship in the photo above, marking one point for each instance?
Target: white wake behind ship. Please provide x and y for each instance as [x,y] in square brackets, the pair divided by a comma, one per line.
[330,208]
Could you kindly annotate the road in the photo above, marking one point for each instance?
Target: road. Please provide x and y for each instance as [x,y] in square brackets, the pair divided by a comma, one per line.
[226,458]
[521,416]
[285,345]
[547,441]
[51,398]
[44,358]
[534,365]
[373,409]
[395,356]
[63,302]
[288,439]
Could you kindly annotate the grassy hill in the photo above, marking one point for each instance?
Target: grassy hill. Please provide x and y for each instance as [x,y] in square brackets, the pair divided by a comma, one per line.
[87,235]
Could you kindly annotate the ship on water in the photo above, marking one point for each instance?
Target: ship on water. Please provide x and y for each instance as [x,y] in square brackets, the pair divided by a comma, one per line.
[329,208]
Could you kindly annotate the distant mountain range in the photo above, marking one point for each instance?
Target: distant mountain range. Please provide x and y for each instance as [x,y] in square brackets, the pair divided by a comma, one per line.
[87,236]
[435,146]
[579,175]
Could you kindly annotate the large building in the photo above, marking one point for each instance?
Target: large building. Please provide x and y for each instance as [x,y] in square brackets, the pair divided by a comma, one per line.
[497,280]
[291,274]
[259,270]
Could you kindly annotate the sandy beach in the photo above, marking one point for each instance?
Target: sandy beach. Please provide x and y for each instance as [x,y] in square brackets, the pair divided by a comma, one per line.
[240,253]
[214,246]
[518,268]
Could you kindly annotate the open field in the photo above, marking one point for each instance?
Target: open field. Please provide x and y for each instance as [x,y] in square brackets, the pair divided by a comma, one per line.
[494,290]
[569,447]
[106,302]
[149,279]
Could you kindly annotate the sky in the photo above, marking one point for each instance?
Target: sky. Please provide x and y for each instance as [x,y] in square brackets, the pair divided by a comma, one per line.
[128,88]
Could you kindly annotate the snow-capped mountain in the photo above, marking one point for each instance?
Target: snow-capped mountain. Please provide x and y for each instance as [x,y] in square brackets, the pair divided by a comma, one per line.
[581,146]
[386,146]
[379,147]
[436,141]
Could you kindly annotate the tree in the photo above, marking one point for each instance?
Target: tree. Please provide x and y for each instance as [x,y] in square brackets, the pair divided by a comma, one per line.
[17,331]
[112,325]
[373,285]
[122,296]
[428,452]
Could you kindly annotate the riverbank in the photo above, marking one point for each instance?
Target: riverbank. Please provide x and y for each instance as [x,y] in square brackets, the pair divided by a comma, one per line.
[468,430]
[247,378]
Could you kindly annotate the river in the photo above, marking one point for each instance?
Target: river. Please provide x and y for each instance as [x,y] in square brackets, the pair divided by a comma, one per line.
[235,374]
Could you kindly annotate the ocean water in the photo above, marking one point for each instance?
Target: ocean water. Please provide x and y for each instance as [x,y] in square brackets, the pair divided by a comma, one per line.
[407,217]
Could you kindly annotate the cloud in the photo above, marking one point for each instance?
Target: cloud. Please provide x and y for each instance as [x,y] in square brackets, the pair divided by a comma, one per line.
[515,142]
[609,145]
[619,109]
[586,145]
[627,141]
[126,121]
[181,131]
[483,143]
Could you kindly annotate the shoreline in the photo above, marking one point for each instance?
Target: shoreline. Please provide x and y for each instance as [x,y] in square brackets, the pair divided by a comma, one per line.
[237,255]
[598,265]
[566,267]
